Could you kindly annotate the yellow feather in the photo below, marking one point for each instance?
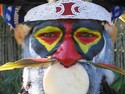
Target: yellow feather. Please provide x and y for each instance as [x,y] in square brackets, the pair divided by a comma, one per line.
[30,63]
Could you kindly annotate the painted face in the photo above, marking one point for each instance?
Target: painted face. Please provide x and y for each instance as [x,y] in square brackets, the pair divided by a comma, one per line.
[68,40]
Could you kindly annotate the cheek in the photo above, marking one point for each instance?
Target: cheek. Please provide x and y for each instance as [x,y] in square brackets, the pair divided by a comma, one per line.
[45,44]
[95,49]
[38,48]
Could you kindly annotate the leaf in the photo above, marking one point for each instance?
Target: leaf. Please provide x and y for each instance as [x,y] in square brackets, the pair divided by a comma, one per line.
[118,83]
[110,67]
[30,63]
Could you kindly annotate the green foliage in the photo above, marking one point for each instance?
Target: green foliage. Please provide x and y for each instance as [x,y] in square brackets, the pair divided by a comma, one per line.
[10,82]
[119,84]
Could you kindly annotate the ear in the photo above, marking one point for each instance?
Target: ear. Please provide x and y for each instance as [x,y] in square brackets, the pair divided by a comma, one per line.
[112,30]
[21,31]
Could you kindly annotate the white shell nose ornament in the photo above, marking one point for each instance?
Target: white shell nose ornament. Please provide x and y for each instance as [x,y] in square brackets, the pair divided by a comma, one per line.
[61,80]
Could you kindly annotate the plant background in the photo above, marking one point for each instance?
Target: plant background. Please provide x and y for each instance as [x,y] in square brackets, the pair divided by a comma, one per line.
[10,81]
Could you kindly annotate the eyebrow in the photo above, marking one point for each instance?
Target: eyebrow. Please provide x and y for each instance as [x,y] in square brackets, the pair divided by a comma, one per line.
[50,23]
[92,25]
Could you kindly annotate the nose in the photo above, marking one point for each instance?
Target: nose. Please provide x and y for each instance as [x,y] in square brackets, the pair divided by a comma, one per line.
[67,53]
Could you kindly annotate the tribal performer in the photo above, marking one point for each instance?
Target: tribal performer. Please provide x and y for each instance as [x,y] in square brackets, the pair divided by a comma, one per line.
[72,34]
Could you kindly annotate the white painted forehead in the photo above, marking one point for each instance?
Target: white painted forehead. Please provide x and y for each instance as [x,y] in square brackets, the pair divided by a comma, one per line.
[70,9]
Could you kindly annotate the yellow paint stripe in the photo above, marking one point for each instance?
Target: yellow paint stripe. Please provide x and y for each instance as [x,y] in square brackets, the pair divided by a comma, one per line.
[86,47]
[48,29]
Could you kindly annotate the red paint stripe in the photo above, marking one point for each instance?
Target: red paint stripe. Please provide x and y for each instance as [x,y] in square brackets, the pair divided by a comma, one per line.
[1,13]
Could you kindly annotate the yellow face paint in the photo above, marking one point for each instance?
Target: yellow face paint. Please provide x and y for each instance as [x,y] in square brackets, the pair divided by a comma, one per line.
[86,38]
[48,36]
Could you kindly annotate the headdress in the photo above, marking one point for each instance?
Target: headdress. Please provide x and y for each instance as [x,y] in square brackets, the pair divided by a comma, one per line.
[68,9]
[104,10]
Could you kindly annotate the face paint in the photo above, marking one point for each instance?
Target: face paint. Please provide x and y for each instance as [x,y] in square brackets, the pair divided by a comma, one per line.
[67,53]
[47,37]
[88,38]
[68,40]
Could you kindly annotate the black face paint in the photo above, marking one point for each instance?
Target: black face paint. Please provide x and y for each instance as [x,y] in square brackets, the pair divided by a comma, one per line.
[94,48]
[87,51]
[39,46]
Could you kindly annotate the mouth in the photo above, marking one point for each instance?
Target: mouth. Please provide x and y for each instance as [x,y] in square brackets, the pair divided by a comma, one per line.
[54,60]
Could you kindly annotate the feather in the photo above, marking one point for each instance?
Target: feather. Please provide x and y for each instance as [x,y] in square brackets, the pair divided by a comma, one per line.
[122,17]
[21,31]
[112,31]
[109,67]
[29,62]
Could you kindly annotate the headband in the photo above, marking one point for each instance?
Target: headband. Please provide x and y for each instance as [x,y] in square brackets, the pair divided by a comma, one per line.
[68,9]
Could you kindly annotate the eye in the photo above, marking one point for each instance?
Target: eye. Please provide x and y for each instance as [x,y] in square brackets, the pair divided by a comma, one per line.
[86,37]
[49,35]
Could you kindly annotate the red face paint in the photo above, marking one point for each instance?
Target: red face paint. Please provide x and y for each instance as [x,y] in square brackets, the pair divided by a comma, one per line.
[69,40]
[85,37]
[49,37]
[66,53]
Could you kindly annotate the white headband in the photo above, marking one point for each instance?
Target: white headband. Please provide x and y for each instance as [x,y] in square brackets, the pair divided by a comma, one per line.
[70,9]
